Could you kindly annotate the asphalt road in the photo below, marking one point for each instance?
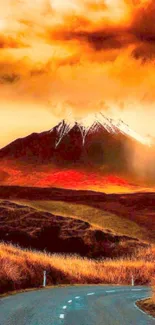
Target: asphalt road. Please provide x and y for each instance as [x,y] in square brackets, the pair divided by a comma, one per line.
[78,305]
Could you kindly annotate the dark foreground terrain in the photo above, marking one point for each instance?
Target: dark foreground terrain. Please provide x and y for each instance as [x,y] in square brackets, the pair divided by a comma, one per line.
[31,228]
[128,214]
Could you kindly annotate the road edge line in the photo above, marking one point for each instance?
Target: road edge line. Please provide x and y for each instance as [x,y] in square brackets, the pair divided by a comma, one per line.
[142,311]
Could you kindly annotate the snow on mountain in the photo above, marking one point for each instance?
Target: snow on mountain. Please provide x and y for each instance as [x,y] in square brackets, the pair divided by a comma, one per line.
[124,128]
[93,123]
[61,130]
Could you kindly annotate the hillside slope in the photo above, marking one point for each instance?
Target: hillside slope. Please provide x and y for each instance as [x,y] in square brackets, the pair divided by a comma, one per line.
[114,222]
[128,214]
[31,228]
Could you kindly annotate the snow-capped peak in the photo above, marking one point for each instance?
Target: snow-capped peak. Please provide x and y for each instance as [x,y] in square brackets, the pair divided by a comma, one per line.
[62,129]
[124,128]
[91,124]
[97,118]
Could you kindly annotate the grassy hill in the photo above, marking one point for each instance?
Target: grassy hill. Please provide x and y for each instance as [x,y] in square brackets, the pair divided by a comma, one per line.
[106,220]
[31,228]
[123,214]
[93,225]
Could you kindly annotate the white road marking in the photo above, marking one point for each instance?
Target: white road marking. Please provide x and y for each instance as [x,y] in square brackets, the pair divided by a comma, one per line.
[90,294]
[135,305]
[110,291]
[62,316]
[64,307]
[69,301]
[136,289]
[77,297]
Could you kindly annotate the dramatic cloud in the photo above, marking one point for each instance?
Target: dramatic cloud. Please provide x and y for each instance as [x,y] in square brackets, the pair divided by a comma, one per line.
[77,55]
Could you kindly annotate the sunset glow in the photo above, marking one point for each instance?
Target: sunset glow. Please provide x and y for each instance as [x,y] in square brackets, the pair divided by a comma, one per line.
[87,55]
[67,179]
[64,6]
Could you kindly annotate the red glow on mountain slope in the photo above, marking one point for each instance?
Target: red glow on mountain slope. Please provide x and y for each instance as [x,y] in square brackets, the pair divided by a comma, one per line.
[76,179]
[73,179]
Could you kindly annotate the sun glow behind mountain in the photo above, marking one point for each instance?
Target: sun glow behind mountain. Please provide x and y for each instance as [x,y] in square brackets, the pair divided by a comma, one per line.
[88,55]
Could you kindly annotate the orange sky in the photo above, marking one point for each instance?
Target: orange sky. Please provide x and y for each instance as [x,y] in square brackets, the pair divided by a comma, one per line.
[75,56]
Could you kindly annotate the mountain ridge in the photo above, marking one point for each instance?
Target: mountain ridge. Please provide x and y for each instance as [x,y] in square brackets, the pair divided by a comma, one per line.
[89,149]
[92,123]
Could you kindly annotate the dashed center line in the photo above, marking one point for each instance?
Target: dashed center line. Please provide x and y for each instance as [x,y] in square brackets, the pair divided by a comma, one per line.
[62,316]
[136,289]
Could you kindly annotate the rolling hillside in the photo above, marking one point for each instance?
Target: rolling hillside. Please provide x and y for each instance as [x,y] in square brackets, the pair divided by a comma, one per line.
[40,230]
[123,214]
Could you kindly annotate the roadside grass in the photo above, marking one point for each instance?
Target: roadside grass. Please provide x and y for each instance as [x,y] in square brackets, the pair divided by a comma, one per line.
[22,269]
[148,306]
[153,286]
[95,216]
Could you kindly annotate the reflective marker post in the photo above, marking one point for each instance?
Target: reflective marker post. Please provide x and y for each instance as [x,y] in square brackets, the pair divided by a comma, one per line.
[132,281]
[44,279]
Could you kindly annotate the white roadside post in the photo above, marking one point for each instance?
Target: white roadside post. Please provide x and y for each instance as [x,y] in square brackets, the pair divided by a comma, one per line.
[44,279]
[132,281]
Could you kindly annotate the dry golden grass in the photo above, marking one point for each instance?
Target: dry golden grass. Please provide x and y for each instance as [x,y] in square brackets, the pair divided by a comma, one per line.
[95,216]
[148,305]
[153,288]
[24,269]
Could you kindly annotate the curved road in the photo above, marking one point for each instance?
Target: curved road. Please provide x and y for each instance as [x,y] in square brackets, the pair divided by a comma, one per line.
[78,305]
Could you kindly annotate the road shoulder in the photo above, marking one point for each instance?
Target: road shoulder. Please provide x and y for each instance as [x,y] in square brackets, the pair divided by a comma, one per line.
[147,306]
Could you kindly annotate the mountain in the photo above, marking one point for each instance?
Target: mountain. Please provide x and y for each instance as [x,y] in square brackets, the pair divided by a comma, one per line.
[95,144]
[93,124]
[72,137]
